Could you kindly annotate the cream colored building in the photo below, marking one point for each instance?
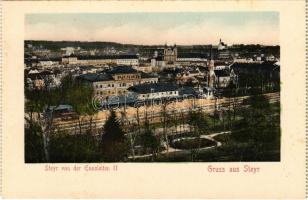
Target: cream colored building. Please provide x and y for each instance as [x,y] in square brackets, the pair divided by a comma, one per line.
[131,60]
[116,81]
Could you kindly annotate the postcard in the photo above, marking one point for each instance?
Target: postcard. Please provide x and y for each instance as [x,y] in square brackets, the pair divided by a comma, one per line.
[154,99]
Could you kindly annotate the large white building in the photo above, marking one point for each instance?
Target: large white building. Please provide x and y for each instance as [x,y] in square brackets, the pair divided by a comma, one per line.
[155,91]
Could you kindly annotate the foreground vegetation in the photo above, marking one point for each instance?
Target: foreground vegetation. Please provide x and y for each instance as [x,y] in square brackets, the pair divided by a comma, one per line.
[254,126]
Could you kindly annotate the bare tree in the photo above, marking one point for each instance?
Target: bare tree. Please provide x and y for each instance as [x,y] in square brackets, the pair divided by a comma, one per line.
[164,122]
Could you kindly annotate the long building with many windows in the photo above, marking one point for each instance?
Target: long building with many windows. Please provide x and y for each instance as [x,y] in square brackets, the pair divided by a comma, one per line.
[117,80]
[131,60]
[155,91]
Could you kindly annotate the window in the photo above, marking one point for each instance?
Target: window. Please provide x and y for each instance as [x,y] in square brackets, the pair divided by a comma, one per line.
[108,85]
[112,85]
[101,86]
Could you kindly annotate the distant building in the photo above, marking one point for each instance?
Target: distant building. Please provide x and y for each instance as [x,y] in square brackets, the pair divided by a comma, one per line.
[102,60]
[68,50]
[69,60]
[211,74]
[146,68]
[248,60]
[224,54]
[270,58]
[48,62]
[87,69]
[170,54]
[222,78]
[158,62]
[190,75]
[43,79]
[221,45]
[191,58]
[61,112]
[207,92]
[155,54]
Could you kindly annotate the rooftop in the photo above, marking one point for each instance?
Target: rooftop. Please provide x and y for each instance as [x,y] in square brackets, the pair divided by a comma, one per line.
[39,75]
[222,73]
[63,107]
[122,70]
[95,77]
[147,75]
[107,57]
[54,59]
[188,91]
[153,88]
[86,67]
[265,66]
[192,55]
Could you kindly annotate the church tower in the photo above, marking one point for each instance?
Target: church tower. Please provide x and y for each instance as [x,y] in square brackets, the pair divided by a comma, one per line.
[170,54]
[211,74]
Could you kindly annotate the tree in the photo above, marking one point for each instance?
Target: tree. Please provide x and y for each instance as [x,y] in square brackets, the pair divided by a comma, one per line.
[199,122]
[79,95]
[114,146]
[165,120]
[33,144]
[232,103]
[150,142]
[258,127]
[65,147]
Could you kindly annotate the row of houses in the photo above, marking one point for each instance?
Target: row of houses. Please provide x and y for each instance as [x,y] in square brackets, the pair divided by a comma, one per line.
[36,79]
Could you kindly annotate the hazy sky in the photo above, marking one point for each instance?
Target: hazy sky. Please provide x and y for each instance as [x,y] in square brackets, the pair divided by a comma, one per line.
[157,28]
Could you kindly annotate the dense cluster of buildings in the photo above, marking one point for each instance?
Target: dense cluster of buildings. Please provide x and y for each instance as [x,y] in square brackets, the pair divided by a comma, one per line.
[167,73]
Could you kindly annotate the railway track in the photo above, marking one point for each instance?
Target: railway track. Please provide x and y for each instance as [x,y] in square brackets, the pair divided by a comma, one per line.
[74,126]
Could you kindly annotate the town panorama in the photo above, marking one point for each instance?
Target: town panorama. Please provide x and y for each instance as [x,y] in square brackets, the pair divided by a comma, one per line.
[113,102]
